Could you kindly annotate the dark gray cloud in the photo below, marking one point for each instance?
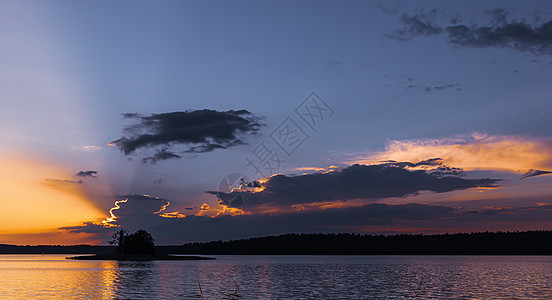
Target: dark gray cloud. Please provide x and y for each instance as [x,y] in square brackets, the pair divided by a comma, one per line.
[390,179]
[533,173]
[199,228]
[369,218]
[87,174]
[499,33]
[517,35]
[198,130]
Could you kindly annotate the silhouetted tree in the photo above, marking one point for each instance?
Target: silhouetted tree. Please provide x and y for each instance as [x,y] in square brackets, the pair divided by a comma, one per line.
[118,239]
[140,242]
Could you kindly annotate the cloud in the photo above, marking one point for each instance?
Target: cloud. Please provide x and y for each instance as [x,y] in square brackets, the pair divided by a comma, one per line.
[389,9]
[445,86]
[198,130]
[418,24]
[434,88]
[533,173]
[367,182]
[91,148]
[474,151]
[407,82]
[499,33]
[87,174]
[517,35]
[161,154]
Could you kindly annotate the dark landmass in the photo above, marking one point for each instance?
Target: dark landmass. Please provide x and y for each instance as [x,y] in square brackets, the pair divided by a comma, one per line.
[481,243]
[138,257]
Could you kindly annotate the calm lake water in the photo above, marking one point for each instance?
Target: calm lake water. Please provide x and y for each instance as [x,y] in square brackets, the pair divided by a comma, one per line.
[280,277]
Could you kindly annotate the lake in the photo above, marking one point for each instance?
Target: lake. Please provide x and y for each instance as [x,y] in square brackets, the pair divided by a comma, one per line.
[279,277]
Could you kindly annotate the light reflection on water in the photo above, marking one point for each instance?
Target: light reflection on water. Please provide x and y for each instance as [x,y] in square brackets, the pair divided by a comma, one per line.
[280,277]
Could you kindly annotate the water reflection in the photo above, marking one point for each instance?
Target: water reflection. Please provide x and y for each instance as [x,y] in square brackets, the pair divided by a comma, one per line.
[277,277]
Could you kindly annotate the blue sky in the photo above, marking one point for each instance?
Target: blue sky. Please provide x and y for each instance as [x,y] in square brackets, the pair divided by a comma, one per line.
[71,69]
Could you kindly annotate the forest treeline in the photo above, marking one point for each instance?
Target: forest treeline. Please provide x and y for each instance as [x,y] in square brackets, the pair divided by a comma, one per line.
[481,243]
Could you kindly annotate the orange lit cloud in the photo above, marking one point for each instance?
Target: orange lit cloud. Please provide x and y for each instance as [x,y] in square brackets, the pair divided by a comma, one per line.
[171,215]
[107,222]
[471,152]
[207,210]
[326,205]
[316,169]
[111,221]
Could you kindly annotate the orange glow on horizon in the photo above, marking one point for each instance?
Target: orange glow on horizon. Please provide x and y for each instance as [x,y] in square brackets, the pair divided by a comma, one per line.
[51,236]
[37,196]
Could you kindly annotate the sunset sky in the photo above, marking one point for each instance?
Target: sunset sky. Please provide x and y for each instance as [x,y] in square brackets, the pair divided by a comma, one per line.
[343,116]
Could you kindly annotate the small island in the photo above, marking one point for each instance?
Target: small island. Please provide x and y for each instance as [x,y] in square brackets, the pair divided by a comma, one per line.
[138,246]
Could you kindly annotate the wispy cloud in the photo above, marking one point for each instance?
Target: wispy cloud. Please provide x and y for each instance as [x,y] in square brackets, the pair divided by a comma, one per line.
[417,24]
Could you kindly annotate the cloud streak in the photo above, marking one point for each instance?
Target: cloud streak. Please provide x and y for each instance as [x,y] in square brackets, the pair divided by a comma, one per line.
[408,83]
[198,130]
[533,173]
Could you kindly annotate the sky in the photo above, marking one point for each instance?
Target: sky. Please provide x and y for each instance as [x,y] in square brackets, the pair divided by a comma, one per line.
[218,120]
